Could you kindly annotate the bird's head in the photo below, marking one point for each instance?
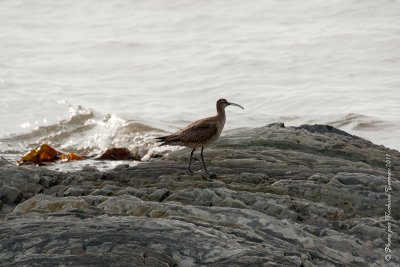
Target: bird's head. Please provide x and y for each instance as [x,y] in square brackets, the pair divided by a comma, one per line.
[223,103]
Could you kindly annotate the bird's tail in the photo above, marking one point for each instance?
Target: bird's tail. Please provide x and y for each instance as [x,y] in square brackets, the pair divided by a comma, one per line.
[161,139]
[168,140]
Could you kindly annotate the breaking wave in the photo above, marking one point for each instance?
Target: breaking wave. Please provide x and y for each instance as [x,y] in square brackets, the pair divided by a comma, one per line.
[85,132]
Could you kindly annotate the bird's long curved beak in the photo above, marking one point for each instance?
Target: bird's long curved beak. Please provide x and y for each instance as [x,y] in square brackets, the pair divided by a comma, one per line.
[233,104]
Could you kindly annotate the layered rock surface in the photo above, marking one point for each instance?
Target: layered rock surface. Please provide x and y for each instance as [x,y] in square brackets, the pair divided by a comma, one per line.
[306,196]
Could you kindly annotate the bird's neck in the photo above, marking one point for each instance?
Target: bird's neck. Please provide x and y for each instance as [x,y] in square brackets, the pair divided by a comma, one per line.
[221,114]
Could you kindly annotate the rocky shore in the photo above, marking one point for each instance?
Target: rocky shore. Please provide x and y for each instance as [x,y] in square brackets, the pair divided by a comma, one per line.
[281,196]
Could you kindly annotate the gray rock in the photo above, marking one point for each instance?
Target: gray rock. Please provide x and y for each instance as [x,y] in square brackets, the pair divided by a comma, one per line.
[276,125]
[133,192]
[77,250]
[280,197]
[107,190]
[158,195]
[252,178]
[368,231]
[4,162]
[89,169]
[75,191]
[195,196]
[356,178]
[322,129]
[10,194]
[319,178]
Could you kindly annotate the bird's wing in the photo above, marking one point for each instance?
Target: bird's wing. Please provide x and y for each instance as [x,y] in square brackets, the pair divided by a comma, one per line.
[198,130]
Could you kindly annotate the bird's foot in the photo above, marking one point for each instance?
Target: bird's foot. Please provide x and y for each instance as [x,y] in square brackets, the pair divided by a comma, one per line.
[208,175]
[204,173]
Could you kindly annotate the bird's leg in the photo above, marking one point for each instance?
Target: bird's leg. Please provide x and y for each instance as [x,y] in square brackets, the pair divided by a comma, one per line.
[207,174]
[202,158]
[190,160]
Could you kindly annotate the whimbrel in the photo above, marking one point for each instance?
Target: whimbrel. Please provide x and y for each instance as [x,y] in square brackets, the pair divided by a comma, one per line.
[200,133]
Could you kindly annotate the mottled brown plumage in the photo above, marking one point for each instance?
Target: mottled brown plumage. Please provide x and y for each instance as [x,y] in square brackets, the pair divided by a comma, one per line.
[200,133]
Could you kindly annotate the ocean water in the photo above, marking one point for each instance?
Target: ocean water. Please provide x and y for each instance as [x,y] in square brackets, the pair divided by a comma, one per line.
[87,75]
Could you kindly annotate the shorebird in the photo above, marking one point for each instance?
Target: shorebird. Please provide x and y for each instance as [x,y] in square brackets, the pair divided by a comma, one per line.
[200,133]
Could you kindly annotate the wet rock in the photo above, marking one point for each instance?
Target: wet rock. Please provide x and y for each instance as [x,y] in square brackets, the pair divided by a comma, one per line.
[117,153]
